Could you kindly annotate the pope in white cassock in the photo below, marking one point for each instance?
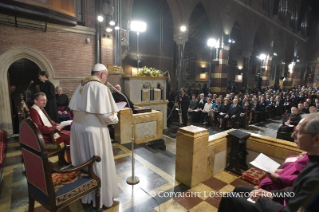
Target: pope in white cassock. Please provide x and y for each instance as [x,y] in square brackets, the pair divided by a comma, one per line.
[94,108]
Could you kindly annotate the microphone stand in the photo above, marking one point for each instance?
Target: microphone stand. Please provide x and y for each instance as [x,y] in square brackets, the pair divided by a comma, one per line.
[132,180]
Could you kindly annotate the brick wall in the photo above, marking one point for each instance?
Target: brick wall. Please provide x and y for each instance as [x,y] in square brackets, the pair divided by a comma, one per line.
[68,53]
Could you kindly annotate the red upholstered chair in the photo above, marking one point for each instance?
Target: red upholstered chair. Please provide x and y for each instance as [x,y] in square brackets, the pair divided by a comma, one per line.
[52,188]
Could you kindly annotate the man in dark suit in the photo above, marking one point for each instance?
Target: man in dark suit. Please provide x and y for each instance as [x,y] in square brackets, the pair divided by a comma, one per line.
[290,119]
[48,88]
[232,113]
[184,101]
[302,196]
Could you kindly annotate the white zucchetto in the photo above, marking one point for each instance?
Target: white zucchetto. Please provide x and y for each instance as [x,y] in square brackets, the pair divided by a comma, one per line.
[99,67]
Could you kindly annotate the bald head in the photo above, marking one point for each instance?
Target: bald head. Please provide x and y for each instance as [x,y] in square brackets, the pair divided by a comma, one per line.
[118,87]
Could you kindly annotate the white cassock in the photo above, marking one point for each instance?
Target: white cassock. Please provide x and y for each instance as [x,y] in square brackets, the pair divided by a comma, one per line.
[94,109]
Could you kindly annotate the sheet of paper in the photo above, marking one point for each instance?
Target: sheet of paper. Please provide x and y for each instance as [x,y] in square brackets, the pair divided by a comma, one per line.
[66,123]
[291,159]
[265,163]
[120,105]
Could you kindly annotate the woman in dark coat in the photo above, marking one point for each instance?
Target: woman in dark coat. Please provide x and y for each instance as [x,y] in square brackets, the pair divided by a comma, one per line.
[48,88]
[223,111]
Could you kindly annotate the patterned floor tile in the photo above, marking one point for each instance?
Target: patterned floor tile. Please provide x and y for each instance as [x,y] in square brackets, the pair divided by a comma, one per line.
[204,207]
[10,161]
[187,200]
[227,188]
[18,174]
[170,206]
[225,177]
[239,181]
[214,183]
[214,201]
[117,151]
[202,190]
[125,163]
[19,196]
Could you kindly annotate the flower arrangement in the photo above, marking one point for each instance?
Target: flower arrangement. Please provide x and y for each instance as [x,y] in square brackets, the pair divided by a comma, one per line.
[149,72]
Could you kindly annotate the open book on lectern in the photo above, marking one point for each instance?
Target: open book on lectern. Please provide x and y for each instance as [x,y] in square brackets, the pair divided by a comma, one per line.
[265,163]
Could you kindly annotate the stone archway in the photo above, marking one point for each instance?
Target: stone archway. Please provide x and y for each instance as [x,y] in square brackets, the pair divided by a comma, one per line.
[6,59]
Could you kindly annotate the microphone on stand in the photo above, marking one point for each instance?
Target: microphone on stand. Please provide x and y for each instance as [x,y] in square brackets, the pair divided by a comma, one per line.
[133,180]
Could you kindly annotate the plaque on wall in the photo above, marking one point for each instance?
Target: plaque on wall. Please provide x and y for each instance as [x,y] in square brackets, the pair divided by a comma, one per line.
[145,95]
[157,94]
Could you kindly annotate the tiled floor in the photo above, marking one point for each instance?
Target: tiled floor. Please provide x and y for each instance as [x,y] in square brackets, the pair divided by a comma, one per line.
[157,191]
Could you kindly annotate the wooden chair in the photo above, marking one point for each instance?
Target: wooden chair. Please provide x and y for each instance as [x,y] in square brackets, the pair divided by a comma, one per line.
[52,188]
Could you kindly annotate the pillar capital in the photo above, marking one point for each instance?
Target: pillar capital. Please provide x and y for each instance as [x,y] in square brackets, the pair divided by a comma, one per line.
[180,38]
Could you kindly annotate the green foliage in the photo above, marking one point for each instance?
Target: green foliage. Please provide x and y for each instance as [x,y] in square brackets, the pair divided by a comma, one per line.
[149,72]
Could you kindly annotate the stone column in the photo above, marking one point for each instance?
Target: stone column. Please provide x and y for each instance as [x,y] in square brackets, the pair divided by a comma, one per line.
[191,155]
[246,55]
[180,39]
[117,51]
[220,71]
[266,72]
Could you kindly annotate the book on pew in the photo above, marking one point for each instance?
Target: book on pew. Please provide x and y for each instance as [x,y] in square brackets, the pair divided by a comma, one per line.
[265,163]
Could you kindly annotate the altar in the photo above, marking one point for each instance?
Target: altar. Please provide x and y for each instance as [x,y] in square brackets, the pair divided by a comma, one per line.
[148,92]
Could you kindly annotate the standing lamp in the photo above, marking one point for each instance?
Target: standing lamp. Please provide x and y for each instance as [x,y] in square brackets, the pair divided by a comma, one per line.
[138,27]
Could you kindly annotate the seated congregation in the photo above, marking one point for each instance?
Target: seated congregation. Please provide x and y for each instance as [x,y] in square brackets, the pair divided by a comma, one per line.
[239,110]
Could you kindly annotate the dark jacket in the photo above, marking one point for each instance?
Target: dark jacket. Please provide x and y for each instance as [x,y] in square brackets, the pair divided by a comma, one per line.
[119,98]
[51,106]
[234,110]
[185,102]
[201,105]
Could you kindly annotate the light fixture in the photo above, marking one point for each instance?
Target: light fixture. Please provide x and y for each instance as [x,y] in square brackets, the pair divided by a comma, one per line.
[138,26]
[275,54]
[100,18]
[290,66]
[239,78]
[211,42]
[202,76]
[297,60]
[262,56]
[283,63]
[116,27]
[112,23]
[240,67]
[229,40]
[183,28]
[108,29]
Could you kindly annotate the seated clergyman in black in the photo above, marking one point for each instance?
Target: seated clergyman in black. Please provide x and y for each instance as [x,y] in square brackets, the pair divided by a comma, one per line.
[290,120]
[304,194]
[119,98]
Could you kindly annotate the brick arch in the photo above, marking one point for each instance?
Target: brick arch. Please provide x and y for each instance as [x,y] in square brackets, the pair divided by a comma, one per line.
[6,59]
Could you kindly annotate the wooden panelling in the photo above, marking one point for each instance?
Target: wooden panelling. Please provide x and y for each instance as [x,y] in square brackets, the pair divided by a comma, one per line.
[62,6]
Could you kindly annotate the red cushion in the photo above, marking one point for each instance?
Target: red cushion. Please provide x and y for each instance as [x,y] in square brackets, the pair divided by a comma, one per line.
[253,175]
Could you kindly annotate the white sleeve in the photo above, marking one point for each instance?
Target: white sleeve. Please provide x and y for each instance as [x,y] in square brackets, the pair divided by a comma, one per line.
[108,118]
